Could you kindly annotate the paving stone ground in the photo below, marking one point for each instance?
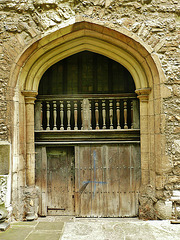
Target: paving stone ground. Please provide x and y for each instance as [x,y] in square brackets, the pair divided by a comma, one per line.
[70,228]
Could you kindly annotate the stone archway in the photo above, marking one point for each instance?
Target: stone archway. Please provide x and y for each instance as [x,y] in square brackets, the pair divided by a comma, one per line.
[123,48]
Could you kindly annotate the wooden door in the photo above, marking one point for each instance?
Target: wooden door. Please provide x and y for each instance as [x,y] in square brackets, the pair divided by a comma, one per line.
[107,180]
[60,181]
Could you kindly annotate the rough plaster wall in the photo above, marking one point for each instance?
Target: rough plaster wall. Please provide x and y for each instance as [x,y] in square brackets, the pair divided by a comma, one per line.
[156,22]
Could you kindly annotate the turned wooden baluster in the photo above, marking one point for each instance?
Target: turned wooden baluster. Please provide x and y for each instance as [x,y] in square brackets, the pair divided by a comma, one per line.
[132,124]
[48,115]
[104,113]
[125,115]
[55,115]
[75,115]
[82,115]
[68,115]
[118,113]
[111,113]
[61,115]
[90,114]
[41,115]
[97,115]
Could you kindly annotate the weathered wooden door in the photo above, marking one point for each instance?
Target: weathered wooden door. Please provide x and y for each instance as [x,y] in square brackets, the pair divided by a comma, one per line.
[107,180]
[60,181]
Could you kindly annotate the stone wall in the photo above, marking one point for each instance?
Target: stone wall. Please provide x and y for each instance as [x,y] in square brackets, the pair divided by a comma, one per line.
[155,22]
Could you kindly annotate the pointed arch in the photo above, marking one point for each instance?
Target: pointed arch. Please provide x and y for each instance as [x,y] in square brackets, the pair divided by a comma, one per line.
[78,37]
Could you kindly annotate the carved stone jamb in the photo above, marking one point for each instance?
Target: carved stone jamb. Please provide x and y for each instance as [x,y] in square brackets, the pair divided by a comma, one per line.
[146,199]
[30,97]
[143,95]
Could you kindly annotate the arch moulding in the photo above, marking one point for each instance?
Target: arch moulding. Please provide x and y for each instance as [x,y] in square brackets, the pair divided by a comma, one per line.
[78,37]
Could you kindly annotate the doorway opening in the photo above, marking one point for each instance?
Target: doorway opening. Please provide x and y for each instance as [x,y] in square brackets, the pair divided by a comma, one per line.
[87,138]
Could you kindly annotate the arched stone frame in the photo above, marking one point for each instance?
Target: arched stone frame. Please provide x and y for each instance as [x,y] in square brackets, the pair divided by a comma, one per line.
[123,47]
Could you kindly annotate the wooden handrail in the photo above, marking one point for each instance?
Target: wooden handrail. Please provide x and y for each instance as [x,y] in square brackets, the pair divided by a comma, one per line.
[83,96]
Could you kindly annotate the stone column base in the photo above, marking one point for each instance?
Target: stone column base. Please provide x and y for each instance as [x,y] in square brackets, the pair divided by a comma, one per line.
[31,200]
[147,200]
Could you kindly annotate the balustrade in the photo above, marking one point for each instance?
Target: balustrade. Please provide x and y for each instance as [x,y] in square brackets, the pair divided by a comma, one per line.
[96,113]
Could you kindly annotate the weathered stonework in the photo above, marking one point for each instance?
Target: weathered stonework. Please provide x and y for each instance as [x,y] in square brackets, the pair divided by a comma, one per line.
[3,189]
[156,23]
[31,199]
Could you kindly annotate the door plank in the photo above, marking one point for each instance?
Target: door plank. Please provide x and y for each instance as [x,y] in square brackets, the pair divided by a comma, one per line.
[85,181]
[113,155]
[70,180]
[44,181]
[60,171]
[97,180]
[104,207]
[125,181]
[111,177]
[136,159]
[38,178]
[77,197]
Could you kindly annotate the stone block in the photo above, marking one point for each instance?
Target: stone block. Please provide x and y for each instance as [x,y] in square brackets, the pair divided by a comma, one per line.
[144,124]
[4,226]
[163,164]
[145,143]
[157,106]
[163,144]
[4,158]
[50,226]
[159,182]
[152,178]
[163,122]
[151,124]
[174,179]
[44,236]
[151,107]
[144,177]
[143,108]
[152,162]
[176,193]
[152,143]
[147,199]
[163,209]
[157,143]
[158,161]
[159,194]
[157,123]
[177,130]
[16,233]
[177,146]
[176,170]
[157,91]
[165,91]
[145,161]
[166,164]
